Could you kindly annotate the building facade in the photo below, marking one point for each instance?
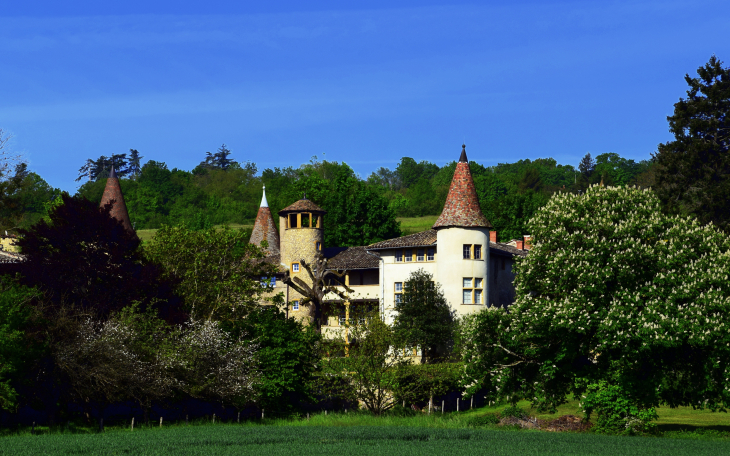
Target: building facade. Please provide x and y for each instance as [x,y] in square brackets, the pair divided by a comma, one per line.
[459,251]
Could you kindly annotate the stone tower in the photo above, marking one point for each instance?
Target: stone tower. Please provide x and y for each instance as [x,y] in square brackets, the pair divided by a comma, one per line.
[462,234]
[302,235]
[264,229]
[113,194]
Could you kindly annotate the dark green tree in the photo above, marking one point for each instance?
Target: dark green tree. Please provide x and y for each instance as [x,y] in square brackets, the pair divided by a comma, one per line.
[693,171]
[86,258]
[587,165]
[288,356]
[135,163]
[424,318]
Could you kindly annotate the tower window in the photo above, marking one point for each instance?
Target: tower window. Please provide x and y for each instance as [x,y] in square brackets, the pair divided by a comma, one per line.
[473,290]
[295,267]
[472,251]
[318,246]
[295,305]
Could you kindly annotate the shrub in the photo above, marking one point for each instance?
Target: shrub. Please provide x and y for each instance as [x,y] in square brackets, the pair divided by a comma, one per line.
[617,414]
[489,419]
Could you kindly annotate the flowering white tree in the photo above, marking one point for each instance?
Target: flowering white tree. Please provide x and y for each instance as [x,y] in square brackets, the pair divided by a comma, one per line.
[210,364]
[612,291]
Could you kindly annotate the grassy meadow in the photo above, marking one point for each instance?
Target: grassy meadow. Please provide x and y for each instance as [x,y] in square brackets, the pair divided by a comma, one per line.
[147,235]
[686,432]
[410,225]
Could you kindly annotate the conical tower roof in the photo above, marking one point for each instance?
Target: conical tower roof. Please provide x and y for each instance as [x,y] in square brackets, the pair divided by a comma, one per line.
[113,194]
[462,204]
[264,229]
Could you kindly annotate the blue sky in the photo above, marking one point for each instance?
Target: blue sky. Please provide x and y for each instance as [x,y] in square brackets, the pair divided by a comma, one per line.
[366,83]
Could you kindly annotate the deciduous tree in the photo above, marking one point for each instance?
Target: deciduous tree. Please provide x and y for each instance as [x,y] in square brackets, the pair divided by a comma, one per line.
[612,290]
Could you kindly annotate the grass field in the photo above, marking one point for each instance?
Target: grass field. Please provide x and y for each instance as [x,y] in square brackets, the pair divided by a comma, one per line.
[147,235]
[226,439]
[363,434]
[410,225]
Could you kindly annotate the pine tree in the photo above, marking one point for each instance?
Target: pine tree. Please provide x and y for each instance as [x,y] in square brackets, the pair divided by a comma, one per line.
[135,165]
[693,171]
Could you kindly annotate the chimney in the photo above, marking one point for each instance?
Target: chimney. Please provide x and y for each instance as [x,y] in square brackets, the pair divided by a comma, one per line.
[528,241]
[492,236]
[519,245]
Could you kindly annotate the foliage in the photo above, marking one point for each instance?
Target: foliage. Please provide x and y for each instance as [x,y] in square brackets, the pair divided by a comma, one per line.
[216,271]
[372,366]
[100,168]
[288,356]
[209,363]
[616,413]
[84,257]
[14,317]
[612,290]
[421,382]
[100,361]
[693,171]
[424,317]
[24,197]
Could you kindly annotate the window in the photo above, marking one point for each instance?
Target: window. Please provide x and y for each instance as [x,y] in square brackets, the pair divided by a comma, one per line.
[268,282]
[318,246]
[295,305]
[472,251]
[399,256]
[409,255]
[399,292]
[273,281]
[431,253]
[419,255]
[295,267]
[473,290]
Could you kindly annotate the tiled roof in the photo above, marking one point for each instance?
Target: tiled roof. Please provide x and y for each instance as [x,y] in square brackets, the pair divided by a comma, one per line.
[462,204]
[354,258]
[265,230]
[424,238]
[10,257]
[113,192]
[303,205]
[505,249]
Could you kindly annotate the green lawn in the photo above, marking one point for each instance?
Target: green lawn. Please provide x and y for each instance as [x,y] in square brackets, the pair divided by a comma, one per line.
[364,434]
[410,225]
[147,235]
[223,439]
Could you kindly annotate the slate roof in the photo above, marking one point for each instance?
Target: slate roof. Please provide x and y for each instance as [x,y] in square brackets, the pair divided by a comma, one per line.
[353,258]
[303,205]
[505,249]
[462,204]
[422,239]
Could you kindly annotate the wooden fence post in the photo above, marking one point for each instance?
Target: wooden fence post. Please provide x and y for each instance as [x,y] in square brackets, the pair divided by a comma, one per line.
[132,424]
[214,418]
[239,417]
[443,402]
[160,421]
[457,404]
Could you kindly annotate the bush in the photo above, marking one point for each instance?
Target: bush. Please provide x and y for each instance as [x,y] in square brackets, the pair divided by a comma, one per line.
[617,414]
[514,412]
[489,419]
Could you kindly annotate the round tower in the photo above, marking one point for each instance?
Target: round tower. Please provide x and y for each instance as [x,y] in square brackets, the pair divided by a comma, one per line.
[301,237]
[462,234]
